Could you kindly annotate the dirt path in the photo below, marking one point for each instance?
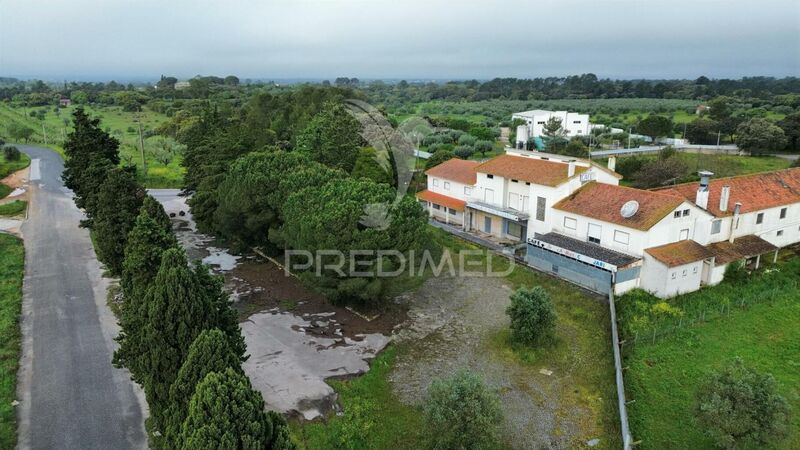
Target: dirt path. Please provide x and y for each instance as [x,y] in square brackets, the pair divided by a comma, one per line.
[452,324]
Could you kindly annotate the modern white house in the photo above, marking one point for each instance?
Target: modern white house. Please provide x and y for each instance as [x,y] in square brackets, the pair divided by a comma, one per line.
[579,224]
[572,124]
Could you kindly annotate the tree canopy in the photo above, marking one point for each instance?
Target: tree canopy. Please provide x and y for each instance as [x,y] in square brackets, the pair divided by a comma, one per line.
[533,316]
[332,138]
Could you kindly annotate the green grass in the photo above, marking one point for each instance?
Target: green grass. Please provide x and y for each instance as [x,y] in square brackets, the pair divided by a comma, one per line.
[9,167]
[4,190]
[11,267]
[663,377]
[121,124]
[13,208]
[373,417]
[581,349]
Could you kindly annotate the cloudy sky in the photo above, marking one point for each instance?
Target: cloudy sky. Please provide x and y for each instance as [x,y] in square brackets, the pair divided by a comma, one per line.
[412,39]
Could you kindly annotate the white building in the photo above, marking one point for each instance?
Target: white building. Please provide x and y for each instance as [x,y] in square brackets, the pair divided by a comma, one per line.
[572,124]
[580,225]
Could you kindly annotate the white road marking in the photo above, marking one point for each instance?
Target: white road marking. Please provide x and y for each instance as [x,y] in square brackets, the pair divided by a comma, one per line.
[36,174]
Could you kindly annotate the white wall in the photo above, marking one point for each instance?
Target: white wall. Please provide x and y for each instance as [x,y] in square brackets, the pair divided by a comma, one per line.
[448,188]
[768,229]
[665,281]
[573,123]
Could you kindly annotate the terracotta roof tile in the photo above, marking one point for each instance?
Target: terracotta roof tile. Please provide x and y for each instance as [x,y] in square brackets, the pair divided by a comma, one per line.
[679,253]
[603,202]
[441,199]
[458,170]
[532,170]
[741,248]
[755,191]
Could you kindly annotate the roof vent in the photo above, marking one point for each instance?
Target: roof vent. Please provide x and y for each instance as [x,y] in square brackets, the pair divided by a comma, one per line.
[629,209]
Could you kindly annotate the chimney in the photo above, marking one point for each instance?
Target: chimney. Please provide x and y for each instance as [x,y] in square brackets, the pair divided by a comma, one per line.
[724,197]
[571,168]
[735,220]
[701,200]
[612,163]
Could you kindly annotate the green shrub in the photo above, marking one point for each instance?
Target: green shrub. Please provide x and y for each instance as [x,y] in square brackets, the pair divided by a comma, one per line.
[738,406]
[533,315]
[462,413]
[11,153]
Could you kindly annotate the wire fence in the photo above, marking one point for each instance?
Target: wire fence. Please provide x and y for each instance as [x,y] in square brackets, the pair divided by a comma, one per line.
[709,313]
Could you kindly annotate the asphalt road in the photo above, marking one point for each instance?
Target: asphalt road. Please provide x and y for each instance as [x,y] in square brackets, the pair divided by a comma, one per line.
[71,397]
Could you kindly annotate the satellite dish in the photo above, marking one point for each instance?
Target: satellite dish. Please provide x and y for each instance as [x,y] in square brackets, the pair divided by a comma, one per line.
[629,209]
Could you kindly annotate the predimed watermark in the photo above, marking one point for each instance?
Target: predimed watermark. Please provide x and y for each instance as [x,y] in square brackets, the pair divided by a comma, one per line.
[367,263]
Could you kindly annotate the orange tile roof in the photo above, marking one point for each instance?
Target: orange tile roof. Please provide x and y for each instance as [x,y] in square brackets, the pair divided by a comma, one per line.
[458,170]
[755,191]
[532,170]
[603,202]
[440,199]
[741,248]
[679,253]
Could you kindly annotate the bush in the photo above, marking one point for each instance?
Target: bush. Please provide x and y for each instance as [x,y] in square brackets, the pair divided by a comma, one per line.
[461,412]
[464,151]
[466,139]
[533,315]
[629,165]
[11,153]
[738,406]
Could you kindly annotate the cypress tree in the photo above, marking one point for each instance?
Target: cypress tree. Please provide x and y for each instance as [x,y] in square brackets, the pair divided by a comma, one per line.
[210,352]
[86,146]
[178,309]
[146,242]
[226,413]
[117,204]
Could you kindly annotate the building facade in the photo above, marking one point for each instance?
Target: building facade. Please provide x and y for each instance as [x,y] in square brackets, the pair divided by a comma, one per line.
[572,124]
[579,224]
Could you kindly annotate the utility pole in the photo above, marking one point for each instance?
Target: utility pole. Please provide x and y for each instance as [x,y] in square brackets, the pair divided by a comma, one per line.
[718,134]
[141,148]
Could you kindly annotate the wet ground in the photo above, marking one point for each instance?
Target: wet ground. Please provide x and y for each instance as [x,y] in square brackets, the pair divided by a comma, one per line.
[295,338]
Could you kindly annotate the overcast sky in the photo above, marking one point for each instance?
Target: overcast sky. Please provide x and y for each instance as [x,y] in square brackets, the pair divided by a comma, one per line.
[412,39]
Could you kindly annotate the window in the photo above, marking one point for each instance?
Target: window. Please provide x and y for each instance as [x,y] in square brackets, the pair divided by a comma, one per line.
[488,195]
[540,204]
[451,211]
[489,176]
[540,123]
[685,212]
[435,182]
[570,223]
[716,226]
[694,269]
[676,214]
[779,233]
[514,229]
[674,274]
[514,181]
[513,200]
[435,206]
[684,234]
[447,185]
[526,203]
[467,191]
[684,272]
[576,121]
[621,237]
[594,233]
[527,183]
[759,218]
[783,213]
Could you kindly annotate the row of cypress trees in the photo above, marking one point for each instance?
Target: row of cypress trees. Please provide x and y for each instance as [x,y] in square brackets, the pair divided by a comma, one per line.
[179,337]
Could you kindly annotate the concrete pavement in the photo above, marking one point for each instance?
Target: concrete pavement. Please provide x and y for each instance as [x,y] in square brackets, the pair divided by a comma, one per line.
[71,397]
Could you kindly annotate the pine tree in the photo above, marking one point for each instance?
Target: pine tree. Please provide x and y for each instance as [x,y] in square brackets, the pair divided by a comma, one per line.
[86,146]
[117,205]
[226,413]
[210,352]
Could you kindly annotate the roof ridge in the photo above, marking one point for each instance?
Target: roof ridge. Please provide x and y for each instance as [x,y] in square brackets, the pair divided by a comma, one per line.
[743,175]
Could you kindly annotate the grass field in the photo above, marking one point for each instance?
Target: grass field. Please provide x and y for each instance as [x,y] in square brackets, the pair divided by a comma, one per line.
[11,265]
[9,167]
[121,124]
[13,208]
[664,376]
[374,418]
